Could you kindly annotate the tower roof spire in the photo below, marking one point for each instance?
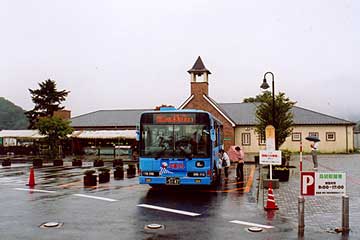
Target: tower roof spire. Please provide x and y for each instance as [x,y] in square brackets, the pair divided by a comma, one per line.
[199,68]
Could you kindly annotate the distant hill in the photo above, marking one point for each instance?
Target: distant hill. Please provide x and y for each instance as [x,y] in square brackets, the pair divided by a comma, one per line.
[12,117]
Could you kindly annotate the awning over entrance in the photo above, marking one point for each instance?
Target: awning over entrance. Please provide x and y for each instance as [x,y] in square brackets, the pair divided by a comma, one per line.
[84,134]
[104,134]
[29,134]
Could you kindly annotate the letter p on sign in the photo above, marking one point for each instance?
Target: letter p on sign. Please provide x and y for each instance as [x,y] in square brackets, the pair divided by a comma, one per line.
[307,183]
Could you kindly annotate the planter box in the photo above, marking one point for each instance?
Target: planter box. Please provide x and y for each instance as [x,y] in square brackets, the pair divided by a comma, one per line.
[98,163]
[6,162]
[90,180]
[104,177]
[119,173]
[281,174]
[118,162]
[131,171]
[37,162]
[77,163]
[58,162]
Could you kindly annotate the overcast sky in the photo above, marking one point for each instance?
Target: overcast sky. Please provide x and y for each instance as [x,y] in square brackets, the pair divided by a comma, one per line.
[135,54]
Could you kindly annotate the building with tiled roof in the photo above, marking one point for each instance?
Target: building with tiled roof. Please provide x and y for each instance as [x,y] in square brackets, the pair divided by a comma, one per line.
[239,120]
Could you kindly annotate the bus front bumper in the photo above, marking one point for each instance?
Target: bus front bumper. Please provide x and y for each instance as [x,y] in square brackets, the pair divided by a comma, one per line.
[182,180]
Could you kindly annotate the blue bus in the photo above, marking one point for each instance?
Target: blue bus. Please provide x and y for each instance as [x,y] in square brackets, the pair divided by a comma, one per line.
[179,147]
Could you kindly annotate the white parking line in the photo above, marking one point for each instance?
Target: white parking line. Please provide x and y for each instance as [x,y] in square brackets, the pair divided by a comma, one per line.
[94,197]
[34,190]
[251,224]
[11,173]
[169,210]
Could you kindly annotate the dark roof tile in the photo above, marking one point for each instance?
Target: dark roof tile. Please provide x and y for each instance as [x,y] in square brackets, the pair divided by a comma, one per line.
[239,113]
[199,67]
[244,114]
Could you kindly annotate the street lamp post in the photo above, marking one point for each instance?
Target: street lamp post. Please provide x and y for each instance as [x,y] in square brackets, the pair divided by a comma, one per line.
[265,86]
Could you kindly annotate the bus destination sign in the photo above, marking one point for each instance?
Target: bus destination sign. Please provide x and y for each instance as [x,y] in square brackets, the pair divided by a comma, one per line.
[174,118]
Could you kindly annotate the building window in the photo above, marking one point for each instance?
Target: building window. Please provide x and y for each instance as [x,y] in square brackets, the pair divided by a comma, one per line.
[314,134]
[245,139]
[330,136]
[262,140]
[296,136]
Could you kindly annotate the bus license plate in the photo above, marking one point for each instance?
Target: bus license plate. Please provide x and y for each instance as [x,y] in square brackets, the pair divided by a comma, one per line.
[172,181]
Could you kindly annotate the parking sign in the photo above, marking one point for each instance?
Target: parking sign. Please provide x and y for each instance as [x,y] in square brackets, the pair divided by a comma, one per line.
[307,183]
[322,183]
[330,183]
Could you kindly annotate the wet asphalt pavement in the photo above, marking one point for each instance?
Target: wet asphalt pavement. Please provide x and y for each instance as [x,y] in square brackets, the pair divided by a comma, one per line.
[121,209]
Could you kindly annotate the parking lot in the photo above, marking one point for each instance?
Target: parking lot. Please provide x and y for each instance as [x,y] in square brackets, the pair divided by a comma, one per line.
[124,209]
[118,208]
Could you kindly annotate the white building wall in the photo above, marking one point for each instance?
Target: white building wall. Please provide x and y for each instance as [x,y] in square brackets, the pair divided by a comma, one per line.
[344,139]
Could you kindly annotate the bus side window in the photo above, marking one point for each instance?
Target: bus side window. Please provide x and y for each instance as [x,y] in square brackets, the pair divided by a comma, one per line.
[216,128]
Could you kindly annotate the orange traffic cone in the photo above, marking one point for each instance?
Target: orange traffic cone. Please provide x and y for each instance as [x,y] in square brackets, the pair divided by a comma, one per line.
[31,178]
[270,203]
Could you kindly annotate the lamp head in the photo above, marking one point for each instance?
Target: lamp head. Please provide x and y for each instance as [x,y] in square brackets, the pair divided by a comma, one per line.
[264,85]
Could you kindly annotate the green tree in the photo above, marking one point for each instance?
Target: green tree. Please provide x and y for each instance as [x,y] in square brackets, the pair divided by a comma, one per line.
[56,129]
[283,121]
[47,100]
[259,98]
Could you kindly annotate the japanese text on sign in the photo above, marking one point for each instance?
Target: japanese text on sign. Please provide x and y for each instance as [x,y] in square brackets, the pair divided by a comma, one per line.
[330,183]
[270,157]
[325,183]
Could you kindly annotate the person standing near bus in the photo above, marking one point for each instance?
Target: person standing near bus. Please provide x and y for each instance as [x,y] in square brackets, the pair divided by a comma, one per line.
[224,162]
[240,160]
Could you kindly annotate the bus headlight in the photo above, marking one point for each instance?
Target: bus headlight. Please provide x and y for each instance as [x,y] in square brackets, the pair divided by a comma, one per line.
[152,174]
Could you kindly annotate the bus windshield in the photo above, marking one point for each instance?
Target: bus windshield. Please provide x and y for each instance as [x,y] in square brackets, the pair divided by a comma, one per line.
[178,141]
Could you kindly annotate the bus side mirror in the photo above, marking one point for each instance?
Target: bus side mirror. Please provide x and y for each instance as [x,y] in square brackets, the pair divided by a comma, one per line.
[212,135]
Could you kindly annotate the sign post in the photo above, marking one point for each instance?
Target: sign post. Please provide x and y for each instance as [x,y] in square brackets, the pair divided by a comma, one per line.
[270,142]
[300,156]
